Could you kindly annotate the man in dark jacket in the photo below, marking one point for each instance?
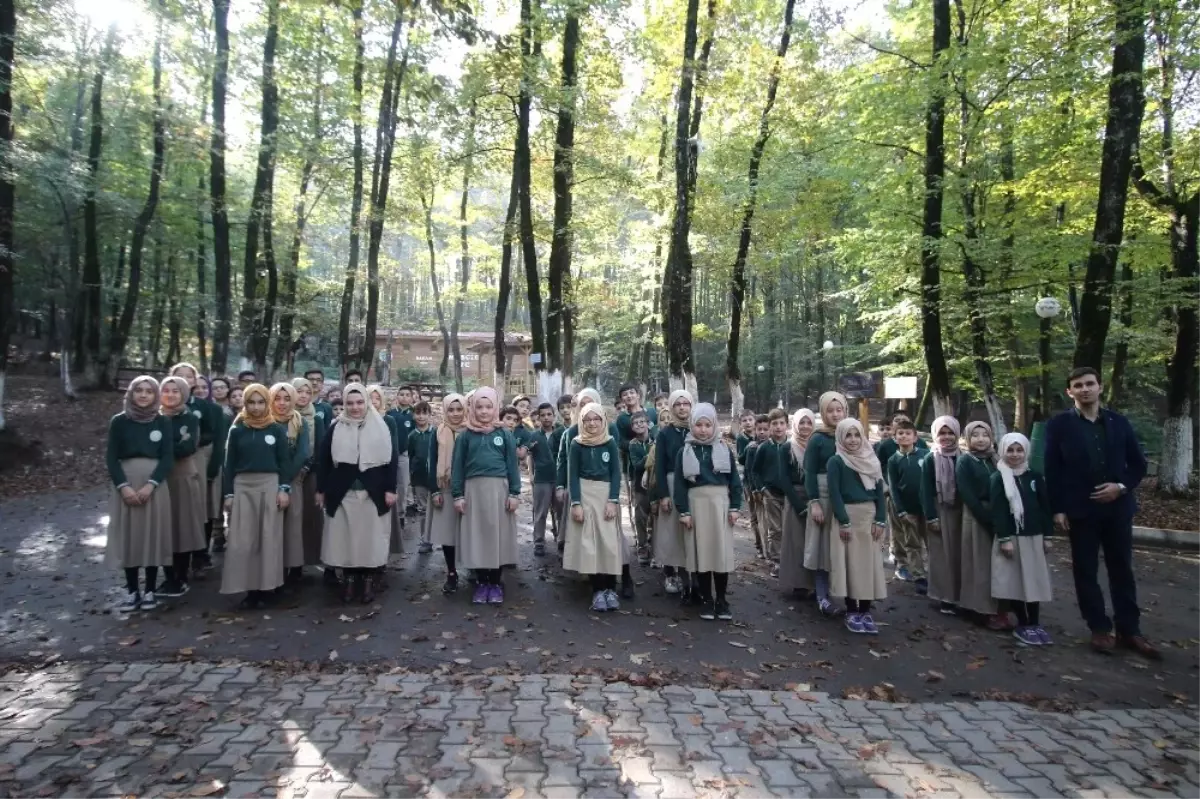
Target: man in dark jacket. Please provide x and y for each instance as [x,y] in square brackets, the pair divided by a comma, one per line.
[1093,465]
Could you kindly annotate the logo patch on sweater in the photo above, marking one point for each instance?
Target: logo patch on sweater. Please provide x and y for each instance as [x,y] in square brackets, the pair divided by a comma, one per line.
[270,439]
[604,457]
[407,423]
[197,413]
[498,441]
[156,436]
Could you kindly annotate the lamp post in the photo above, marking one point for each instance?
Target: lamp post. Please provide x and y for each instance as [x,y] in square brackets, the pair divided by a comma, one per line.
[1047,308]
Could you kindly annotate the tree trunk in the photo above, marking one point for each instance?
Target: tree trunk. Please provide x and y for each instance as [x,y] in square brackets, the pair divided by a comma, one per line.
[174,313]
[506,253]
[427,206]
[1126,104]
[1116,382]
[199,260]
[158,307]
[931,228]
[8,33]
[1007,246]
[356,196]
[116,348]
[381,172]
[737,290]
[86,324]
[464,249]
[114,302]
[559,311]
[222,261]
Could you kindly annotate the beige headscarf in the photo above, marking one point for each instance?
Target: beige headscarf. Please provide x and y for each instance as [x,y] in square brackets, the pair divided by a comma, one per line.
[800,445]
[473,423]
[374,391]
[292,420]
[973,426]
[255,422]
[150,412]
[446,433]
[677,395]
[185,392]
[584,398]
[721,461]
[309,412]
[366,441]
[944,461]
[827,427]
[603,437]
[1016,506]
[864,461]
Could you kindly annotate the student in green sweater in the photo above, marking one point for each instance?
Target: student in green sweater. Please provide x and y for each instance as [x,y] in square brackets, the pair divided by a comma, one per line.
[402,415]
[189,505]
[669,547]
[594,541]
[1022,523]
[544,474]
[444,523]
[855,483]
[708,493]
[324,411]
[822,446]
[771,478]
[907,553]
[885,448]
[745,435]
[210,453]
[486,484]
[973,474]
[418,468]
[283,411]
[905,513]
[942,508]
[762,434]
[256,494]
[304,487]
[140,454]
[794,578]
[639,449]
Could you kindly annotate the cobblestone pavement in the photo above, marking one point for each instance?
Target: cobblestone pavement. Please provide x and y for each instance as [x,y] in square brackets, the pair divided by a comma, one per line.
[146,729]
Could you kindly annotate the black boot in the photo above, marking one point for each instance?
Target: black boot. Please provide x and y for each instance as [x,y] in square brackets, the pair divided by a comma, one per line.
[626,583]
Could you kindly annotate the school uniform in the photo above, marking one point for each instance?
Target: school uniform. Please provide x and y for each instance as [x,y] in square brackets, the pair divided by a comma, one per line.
[906,515]
[312,528]
[418,475]
[944,545]
[792,573]
[669,542]
[402,417]
[857,569]
[189,491]
[565,442]
[771,478]
[753,494]
[485,473]
[396,513]
[639,449]
[357,523]
[213,426]
[817,537]
[907,543]
[545,474]
[256,461]
[138,453]
[595,545]
[293,515]
[708,498]
[1024,577]
[973,474]
[444,523]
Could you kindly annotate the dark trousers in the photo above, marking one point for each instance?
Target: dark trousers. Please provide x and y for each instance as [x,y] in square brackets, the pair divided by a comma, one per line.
[1112,534]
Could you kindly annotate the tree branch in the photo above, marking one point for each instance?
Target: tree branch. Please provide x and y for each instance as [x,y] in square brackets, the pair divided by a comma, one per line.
[885,51]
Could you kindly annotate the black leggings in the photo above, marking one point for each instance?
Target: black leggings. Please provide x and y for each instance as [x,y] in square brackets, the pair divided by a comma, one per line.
[1028,613]
[858,605]
[448,554]
[604,582]
[131,580]
[487,576]
[707,582]
[178,571]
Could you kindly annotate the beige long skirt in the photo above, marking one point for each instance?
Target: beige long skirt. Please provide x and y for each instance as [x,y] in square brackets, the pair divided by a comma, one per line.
[313,521]
[792,573]
[489,532]
[189,507]
[356,537]
[1026,575]
[445,525]
[710,541]
[203,458]
[293,526]
[817,537]
[976,568]
[945,554]
[857,571]
[669,546]
[139,536]
[593,546]
[254,548]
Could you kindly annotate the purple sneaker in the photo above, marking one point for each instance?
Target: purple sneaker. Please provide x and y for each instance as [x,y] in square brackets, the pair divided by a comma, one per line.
[1027,636]
[854,623]
[481,595]
[1040,630]
[868,624]
[495,595]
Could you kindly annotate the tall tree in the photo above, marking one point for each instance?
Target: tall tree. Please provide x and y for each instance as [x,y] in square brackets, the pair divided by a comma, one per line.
[222,260]
[464,263]
[549,384]
[1126,104]
[737,289]
[505,279]
[88,323]
[356,196]
[8,35]
[427,207]
[558,312]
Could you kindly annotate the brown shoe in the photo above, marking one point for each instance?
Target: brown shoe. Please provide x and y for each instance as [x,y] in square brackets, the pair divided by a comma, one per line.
[1104,643]
[1140,645]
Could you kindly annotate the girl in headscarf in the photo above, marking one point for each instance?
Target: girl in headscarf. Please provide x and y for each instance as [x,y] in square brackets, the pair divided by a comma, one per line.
[189,505]
[670,549]
[283,411]
[256,494]
[943,514]
[973,474]
[793,577]
[593,540]
[379,403]
[220,391]
[1021,520]
[855,483]
[139,455]
[210,453]
[305,488]
[486,483]
[708,493]
[356,484]
[822,445]
[444,522]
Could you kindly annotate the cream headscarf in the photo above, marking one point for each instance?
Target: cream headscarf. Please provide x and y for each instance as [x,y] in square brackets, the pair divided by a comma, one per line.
[473,423]
[374,391]
[446,433]
[365,442]
[827,427]
[150,412]
[584,398]
[800,445]
[677,395]
[720,453]
[255,422]
[1009,475]
[309,412]
[185,391]
[944,460]
[864,461]
[973,426]
[603,437]
[293,420]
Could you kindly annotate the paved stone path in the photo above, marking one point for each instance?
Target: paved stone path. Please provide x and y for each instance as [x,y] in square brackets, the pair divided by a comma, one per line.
[183,729]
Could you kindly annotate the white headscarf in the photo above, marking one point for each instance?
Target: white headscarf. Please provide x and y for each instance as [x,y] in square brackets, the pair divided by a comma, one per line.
[720,454]
[366,441]
[1009,475]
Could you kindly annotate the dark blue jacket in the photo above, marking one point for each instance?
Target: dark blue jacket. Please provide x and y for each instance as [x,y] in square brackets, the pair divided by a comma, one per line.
[1068,466]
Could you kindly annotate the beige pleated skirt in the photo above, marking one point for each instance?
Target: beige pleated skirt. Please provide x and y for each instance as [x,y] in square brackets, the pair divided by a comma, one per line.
[313,521]
[817,537]
[669,546]
[254,540]
[593,546]
[356,537]
[1026,575]
[203,458]
[857,571]
[139,536]
[976,567]
[189,507]
[792,573]
[710,541]
[489,532]
[293,526]
[445,525]
[945,554]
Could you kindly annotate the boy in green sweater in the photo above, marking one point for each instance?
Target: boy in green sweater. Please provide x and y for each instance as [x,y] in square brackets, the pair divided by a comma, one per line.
[418,468]
[769,477]
[904,506]
[545,472]
[639,448]
[762,433]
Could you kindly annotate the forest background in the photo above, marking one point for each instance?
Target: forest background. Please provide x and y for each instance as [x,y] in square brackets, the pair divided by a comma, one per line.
[666,191]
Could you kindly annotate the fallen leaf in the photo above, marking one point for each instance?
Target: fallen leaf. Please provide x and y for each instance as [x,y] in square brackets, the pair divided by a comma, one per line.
[462,661]
[1072,678]
[130,641]
[333,654]
[99,739]
[345,618]
[738,644]
[362,637]
[207,788]
[515,793]
[639,658]
[934,676]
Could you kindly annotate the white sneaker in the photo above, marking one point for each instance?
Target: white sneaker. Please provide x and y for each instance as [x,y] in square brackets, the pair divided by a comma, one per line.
[148,601]
[132,601]
[611,600]
[599,602]
[673,585]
